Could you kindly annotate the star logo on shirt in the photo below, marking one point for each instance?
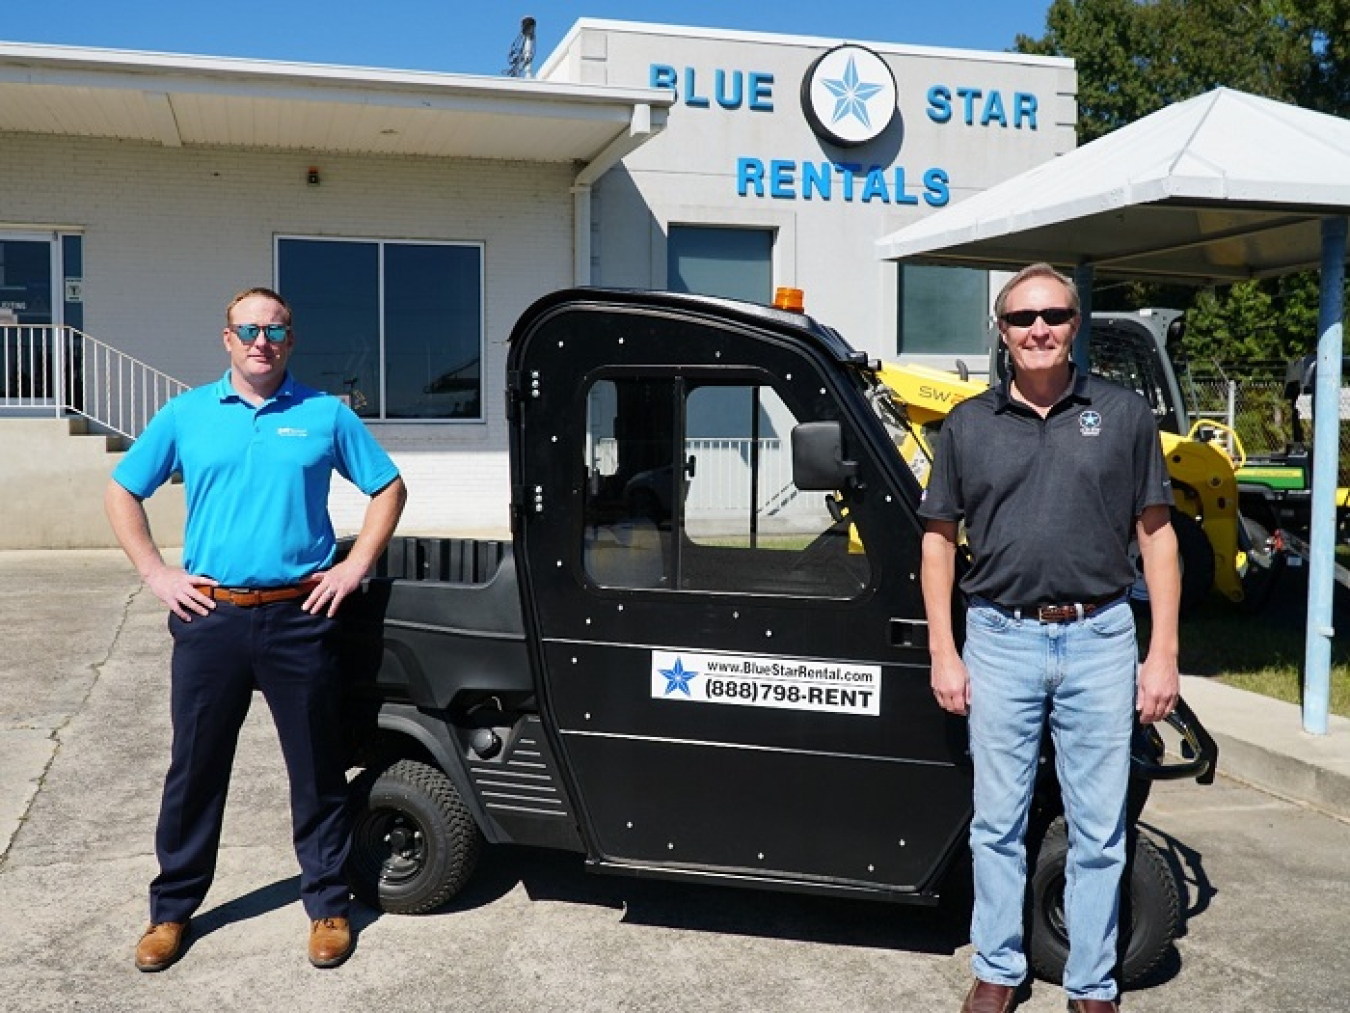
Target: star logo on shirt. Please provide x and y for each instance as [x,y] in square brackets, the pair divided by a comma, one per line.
[1090,423]
[677,678]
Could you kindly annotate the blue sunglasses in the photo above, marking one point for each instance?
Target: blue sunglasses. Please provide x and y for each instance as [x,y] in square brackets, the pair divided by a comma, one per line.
[248,333]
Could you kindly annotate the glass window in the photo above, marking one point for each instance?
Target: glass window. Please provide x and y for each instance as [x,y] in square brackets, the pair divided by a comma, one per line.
[395,327]
[732,263]
[689,486]
[943,310]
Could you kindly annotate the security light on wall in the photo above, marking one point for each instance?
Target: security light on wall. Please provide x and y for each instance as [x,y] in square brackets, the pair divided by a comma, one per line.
[312,176]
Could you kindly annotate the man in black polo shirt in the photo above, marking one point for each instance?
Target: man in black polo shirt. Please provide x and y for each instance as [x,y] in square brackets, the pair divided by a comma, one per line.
[1053,473]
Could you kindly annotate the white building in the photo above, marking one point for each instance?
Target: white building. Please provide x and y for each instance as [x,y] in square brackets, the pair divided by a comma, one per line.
[410,217]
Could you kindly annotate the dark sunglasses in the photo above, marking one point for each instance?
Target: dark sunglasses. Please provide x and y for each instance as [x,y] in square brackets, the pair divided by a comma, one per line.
[1053,316]
[248,333]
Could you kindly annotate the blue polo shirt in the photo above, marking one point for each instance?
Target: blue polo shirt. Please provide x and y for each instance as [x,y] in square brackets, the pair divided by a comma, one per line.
[256,479]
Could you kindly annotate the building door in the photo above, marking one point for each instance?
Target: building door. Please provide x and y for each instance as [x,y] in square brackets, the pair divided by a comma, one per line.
[27,293]
[28,308]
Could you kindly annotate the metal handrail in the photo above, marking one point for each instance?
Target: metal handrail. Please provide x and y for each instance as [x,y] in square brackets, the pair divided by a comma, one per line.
[63,370]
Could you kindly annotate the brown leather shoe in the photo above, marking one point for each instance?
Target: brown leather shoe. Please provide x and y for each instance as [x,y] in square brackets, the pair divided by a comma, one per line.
[1093,1006]
[330,941]
[987,998]
[160,946]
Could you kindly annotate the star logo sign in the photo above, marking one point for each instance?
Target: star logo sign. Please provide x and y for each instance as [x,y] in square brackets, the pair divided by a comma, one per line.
[1090,423]
[851,94]
[677,678]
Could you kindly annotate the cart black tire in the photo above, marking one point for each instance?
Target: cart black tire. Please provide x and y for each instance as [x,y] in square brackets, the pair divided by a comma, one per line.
[1195,558]
[1150,910]
[414,842]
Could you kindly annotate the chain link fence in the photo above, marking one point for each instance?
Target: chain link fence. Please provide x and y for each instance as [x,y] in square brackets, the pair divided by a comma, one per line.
[1251,399]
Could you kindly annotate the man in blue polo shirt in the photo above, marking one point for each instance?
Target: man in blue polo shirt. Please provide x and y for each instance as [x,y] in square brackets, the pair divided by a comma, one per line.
[253,605]
[1052,473]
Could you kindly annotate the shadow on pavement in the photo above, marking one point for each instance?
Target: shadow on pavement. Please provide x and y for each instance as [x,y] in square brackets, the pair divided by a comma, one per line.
[562,877]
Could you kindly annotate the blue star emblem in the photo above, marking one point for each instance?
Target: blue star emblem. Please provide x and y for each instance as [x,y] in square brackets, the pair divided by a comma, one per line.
[851,95]
[1091,419]
[677,678]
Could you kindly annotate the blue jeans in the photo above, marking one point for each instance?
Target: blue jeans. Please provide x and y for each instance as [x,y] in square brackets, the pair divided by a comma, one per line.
[1083,672]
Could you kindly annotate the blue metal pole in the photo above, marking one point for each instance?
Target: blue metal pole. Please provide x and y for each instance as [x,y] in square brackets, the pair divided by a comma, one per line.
[1326,448]
[1083,276]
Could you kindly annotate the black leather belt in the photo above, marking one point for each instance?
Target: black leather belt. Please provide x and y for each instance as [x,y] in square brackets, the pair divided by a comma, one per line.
[1064,613]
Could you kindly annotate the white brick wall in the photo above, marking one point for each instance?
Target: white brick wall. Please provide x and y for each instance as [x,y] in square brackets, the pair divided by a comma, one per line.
[171,233]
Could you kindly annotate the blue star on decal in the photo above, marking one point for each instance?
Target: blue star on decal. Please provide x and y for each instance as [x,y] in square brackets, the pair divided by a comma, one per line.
[677,678]
[851,95]
[1091,419]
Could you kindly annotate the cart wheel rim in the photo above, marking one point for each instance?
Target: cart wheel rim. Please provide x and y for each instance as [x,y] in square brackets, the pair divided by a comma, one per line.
[392,842]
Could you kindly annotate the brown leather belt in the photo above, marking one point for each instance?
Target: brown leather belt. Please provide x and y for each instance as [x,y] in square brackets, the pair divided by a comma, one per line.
[250,597]
[1065,613]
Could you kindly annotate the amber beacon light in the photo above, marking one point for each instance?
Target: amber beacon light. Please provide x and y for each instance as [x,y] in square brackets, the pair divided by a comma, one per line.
[790,299]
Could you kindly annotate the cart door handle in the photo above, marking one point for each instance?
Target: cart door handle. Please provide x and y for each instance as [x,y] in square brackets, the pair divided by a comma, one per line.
[909,633]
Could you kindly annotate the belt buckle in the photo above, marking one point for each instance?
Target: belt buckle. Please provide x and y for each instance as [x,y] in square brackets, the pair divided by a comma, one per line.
[1060,613]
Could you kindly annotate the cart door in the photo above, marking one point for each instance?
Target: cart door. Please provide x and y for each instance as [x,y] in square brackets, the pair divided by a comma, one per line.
[737,678]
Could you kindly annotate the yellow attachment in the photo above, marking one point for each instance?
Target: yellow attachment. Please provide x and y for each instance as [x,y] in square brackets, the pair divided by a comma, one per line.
[1204,486]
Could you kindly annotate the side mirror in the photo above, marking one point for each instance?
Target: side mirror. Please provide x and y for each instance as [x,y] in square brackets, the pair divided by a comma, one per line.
[818,457]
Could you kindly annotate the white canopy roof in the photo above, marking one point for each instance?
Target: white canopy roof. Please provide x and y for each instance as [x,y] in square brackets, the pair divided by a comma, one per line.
[1222,187]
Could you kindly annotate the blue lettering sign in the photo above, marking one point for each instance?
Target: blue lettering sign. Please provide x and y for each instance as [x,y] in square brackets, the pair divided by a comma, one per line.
[968,96]
[749,176]
[761,92]
[816,176]
[900,196]
[1024,105]
[940,103]
[732,89]
[875,186]
[846,172]
[691,95]
[993,111]
[785,179]
[937,191]
[732,101]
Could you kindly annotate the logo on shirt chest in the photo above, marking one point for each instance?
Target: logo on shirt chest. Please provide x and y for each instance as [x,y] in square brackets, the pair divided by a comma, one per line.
[1090,423]
[292,431]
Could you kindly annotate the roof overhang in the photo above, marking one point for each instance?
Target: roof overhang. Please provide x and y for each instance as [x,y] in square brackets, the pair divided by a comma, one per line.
[194,101]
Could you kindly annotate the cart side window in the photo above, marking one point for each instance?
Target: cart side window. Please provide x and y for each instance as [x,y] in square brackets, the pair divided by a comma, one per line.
[629,468]
[746,527]
[688,486]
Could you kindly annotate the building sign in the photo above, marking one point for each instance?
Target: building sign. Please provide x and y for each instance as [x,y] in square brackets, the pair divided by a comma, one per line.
[849,96]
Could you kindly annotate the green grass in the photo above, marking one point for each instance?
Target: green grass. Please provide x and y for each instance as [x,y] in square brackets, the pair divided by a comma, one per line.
[1263,653]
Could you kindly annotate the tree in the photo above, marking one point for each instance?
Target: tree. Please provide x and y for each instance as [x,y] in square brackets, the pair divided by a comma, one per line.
[1133,58]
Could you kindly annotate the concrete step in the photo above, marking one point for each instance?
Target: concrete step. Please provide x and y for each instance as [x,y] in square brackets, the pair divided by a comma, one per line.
[53,475]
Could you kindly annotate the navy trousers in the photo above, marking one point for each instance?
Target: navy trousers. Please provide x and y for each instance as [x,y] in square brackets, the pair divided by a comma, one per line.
[218,661]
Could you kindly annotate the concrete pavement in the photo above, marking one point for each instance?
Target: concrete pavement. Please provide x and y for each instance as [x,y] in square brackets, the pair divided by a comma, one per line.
[83,743]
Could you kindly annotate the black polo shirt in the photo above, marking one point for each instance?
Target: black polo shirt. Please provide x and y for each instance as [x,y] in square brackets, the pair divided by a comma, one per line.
[1049,504]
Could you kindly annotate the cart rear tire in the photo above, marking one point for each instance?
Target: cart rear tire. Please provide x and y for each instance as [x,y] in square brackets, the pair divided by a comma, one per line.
[414,842]
[1150,909]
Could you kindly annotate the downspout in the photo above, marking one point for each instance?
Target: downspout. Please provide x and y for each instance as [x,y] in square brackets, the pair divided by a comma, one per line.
[640,130]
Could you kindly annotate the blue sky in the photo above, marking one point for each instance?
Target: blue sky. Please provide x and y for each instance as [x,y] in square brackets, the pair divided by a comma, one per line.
[472,36]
